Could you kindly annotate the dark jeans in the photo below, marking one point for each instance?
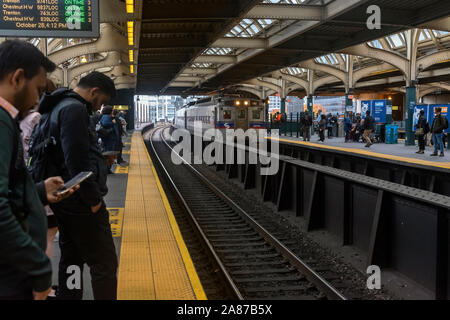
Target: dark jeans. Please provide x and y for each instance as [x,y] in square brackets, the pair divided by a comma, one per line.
[330,132]
[119,147]
[110,143]
[421,139]
[347,135]
[322,135]
[87,239]
[306,133]
[438,143]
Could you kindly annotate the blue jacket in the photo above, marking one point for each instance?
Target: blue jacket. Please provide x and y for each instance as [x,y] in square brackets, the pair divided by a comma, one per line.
[347,124]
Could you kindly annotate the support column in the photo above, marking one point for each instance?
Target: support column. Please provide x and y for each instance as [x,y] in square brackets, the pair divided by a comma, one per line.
[411,93]
[310,105]
[283,106]
[349,101]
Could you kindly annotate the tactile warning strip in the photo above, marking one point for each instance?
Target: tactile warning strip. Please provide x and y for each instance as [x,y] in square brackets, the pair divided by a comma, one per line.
[154,262]
[445,165]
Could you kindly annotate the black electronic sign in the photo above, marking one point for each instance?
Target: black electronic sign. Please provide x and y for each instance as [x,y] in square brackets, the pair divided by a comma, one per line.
[49,18]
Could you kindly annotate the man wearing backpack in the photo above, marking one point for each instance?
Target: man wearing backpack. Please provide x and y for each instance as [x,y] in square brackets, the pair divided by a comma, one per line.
[440,124]
[25,269]
[83,221]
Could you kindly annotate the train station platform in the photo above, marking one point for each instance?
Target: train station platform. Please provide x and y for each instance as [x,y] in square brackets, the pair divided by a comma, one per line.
[154,263]
[380,151]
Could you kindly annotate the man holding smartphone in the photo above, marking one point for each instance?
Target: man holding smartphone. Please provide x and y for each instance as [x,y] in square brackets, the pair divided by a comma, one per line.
[25,269]
[83,221]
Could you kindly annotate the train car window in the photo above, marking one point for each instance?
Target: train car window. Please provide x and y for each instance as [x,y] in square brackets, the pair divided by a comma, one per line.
[256,114]
[242,114]
[227,114]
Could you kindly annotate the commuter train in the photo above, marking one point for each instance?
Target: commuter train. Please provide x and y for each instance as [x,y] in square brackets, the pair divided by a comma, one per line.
[222,113]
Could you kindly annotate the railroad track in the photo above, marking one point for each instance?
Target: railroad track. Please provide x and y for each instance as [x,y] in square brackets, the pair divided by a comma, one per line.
[254,263]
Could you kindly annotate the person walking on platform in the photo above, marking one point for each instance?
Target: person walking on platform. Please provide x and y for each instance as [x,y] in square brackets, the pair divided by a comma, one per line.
[25,269]
[306,123]
[83,220]
[422,129]
[368,127]
[440,123]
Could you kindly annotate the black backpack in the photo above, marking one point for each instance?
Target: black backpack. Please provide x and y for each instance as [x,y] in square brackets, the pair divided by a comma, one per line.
[445,123]
[43,140]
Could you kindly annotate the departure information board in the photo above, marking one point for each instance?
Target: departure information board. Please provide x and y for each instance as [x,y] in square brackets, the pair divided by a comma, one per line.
[49,18]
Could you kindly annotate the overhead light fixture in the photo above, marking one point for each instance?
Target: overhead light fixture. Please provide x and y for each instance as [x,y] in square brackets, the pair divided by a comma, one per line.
[246,103]
[130,6]
[132,69]
[237,102]
[131,55]
[130,28]
[83,59]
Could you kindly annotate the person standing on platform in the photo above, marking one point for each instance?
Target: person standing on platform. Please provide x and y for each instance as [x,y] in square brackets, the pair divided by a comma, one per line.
[306,123]
[356,127]
[330,126]
[25,269]
[83,220]
[109,123]
[120,132]
[369,127]
[348,126]
[322,127]
[440,123]
[422,129]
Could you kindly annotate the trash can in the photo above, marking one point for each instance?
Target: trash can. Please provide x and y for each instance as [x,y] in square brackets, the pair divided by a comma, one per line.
[391,134]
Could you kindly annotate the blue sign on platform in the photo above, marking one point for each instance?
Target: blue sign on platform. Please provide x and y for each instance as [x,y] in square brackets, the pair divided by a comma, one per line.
[366,106]
[417,109]
[379,111]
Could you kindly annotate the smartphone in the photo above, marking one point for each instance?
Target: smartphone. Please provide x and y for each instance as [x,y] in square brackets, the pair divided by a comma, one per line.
[79,178]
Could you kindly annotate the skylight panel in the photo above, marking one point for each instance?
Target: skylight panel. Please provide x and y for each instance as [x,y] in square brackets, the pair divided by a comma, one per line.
[396,40]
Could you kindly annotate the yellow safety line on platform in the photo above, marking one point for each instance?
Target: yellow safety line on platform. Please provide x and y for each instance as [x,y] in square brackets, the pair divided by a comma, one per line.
[121,170]
[445,165]
[116,221]
[193,276]
[153,261]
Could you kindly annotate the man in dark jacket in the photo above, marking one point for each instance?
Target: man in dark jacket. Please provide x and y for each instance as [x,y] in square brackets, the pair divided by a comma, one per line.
[306,122]
[25,270]
[437,129]
[85,232]
[421,131]
[369,126]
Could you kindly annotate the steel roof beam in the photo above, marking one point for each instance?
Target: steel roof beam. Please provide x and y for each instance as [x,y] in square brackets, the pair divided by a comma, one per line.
[182,84]
[287,12]
[199,71]
[215,59]
[244,43]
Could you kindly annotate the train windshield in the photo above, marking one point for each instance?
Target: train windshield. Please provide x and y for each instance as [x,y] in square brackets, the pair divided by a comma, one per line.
[256,114]
[242,114]
[227,114]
